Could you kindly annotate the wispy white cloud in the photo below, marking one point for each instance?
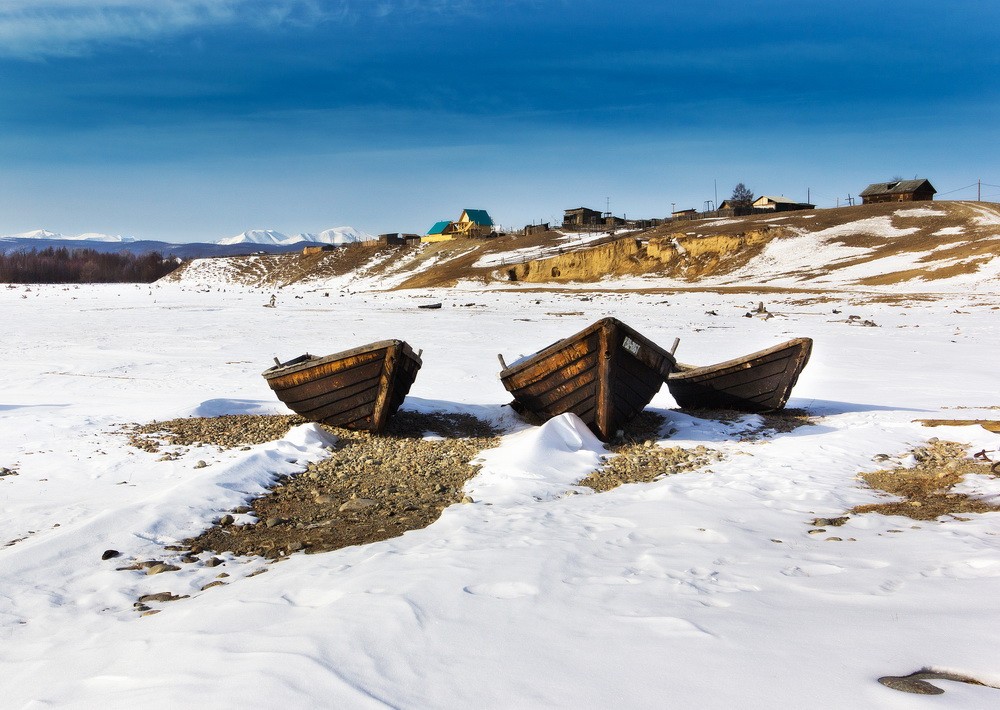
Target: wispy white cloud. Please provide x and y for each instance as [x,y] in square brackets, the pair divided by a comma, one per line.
[40,28]
[33,29]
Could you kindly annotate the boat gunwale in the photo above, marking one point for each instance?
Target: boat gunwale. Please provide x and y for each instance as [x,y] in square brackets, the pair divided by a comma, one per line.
[683,371]
[559,345]
[281,370]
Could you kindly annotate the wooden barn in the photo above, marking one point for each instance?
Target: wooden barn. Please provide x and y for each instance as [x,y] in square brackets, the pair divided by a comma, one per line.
[691,213]
[771,203]
[581,217]
[898,191]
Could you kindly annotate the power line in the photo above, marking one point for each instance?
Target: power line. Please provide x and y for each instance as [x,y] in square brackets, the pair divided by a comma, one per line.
[959,189]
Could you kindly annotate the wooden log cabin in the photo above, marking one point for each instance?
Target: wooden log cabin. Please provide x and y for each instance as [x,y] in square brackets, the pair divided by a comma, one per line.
[917,190]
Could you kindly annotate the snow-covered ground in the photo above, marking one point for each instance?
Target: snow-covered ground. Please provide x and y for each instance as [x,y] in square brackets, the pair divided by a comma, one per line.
[703,589]
[567,241]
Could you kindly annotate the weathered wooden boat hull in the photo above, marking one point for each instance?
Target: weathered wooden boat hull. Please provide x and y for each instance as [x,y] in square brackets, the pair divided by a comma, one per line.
[605,374]
[758,382]
[356,389]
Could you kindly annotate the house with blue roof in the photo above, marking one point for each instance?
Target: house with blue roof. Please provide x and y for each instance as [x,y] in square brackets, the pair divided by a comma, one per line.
[440,232]
[472,223]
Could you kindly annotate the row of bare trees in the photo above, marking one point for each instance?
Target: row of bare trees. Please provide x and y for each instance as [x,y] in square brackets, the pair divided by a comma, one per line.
[62,265]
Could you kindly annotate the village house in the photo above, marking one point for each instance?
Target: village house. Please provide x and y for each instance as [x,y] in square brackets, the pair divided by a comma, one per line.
[898,191]
[581,217]
[396,239]
[770,203]
[731,208]
[691,213]
[472,223]
[440,232]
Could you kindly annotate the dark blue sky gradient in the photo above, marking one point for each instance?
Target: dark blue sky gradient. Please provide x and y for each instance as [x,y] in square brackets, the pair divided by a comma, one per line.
[202,130]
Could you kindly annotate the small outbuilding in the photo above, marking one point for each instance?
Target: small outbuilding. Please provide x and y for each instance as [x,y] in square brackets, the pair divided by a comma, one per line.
[734,208]
[691,213]
[917,190]
[771,203]
[317,249]
[397,239]
[530,229]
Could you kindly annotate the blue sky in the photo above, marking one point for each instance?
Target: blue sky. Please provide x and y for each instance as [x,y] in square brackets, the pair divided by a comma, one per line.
[188,120]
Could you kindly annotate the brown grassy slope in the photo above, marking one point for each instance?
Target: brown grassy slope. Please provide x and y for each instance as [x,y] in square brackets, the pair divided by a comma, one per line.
[689,251]
[686,251]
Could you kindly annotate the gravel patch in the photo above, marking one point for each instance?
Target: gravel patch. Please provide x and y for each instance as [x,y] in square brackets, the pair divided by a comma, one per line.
[637,458]
[227,432]
[372,487]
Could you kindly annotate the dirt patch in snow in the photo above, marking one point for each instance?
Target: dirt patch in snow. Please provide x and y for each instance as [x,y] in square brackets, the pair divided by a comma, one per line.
[371,487]
[925,489]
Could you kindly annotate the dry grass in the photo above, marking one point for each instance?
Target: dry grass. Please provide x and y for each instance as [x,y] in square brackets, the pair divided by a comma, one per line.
[637,458]
[926,489]
[987,424]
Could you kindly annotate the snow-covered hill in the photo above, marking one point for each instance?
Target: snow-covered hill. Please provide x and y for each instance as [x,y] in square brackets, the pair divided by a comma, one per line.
[86,236]
[336,235]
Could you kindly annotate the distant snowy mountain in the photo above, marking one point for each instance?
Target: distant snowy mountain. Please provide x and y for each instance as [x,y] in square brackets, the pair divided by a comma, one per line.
[86,237]
[336,235]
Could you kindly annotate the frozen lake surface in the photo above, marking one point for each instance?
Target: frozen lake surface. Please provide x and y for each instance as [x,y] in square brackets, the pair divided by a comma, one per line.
[704,589]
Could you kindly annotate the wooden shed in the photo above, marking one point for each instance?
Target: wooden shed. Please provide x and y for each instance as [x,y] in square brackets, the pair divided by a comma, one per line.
[317,248]
[771,203]
[397,239]
[734,208]
[691,213]
[581,217]
[535,228]
[898,191]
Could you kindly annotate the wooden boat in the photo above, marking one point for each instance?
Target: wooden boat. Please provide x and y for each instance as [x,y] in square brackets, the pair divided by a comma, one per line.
[356,389]
[758,382]
[605,374]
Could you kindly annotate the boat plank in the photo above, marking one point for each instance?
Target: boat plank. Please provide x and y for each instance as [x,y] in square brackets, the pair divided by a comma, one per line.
[329,385]
[359,388]
[605,374]
[760,381]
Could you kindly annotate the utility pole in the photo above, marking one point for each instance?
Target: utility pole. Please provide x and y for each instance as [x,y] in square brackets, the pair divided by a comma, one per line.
[979,190]
[716,183]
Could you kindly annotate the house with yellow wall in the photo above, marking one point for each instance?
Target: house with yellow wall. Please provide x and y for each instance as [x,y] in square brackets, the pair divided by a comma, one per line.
[440,232]
[474,223]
